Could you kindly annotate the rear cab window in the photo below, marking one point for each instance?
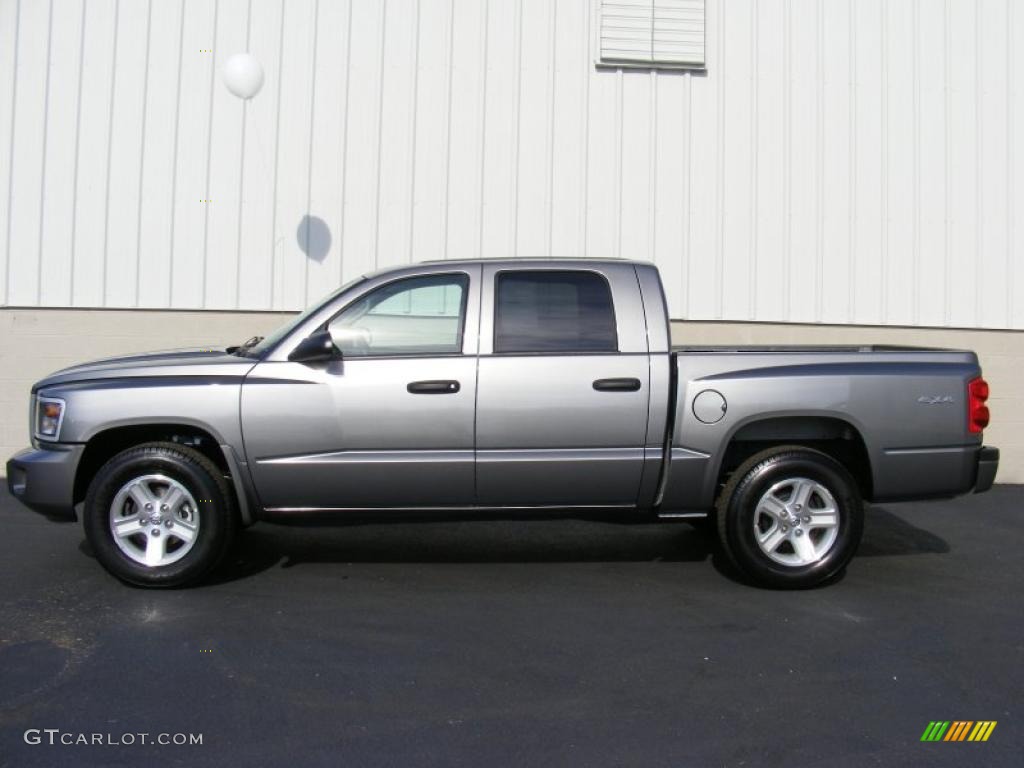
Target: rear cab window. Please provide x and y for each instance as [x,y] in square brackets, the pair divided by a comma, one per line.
[553,312]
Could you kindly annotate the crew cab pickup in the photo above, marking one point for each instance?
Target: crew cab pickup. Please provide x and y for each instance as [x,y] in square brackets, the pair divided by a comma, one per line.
[500,387]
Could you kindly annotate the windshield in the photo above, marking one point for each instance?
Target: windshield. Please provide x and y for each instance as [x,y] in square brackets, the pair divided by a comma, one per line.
[268,343]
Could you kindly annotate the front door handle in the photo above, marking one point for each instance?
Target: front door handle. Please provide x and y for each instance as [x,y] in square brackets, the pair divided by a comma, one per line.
[441,387]
[617,385]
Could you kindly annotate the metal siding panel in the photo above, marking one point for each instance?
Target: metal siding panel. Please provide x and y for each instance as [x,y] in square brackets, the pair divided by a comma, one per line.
[535,115]
[193,131]
[219,283]
[737,159]
[467,93]
[398,132]
[993,162]
[638,146]
[327,156]
[259,178]
[499,131]
[465,137]
[432,148]
[963,150]
[9,13]
[26,188]
[570,85]
[769,273]
[869,182]
[517,99]
[898,286]
[288,286]
[604,151]
[670,183]
[703,200]
[839,162]
[837,152]
[359,226]
[126,146]
[98,59]
[55,247]
[157,196]
[932,62]
[1015,122]
[802,63]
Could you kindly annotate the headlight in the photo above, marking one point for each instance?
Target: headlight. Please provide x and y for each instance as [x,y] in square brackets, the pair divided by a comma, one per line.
[49,415]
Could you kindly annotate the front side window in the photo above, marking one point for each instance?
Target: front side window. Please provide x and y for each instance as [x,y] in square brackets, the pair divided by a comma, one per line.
[553,311]
[412,316]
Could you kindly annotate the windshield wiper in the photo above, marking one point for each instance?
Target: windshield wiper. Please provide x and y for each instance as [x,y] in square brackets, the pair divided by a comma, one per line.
[240,349]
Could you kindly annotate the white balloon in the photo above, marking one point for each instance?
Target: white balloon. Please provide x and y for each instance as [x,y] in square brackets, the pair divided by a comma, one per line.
[243,75]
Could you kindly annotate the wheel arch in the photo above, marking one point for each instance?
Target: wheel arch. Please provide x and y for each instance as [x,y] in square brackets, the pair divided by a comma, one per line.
[834,436]
[106,443]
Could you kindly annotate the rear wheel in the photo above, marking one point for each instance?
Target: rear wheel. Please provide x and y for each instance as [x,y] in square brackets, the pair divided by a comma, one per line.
[159,515]
[790,517]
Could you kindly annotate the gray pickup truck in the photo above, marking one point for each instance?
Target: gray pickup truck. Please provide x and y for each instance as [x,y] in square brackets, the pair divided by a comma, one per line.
[500,387]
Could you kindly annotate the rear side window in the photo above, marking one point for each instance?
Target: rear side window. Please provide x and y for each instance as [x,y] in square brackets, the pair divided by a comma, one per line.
[552,311]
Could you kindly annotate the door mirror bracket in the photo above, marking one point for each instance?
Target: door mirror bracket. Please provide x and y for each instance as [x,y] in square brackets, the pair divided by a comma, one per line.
[318,347]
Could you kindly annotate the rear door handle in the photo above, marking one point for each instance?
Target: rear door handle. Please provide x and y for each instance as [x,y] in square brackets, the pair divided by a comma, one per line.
[440,387]
[617,385]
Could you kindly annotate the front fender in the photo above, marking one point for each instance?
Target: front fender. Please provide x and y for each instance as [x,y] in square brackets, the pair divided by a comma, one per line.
[92,408]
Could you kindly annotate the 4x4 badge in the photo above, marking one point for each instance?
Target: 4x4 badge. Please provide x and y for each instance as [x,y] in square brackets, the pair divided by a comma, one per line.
[935,399]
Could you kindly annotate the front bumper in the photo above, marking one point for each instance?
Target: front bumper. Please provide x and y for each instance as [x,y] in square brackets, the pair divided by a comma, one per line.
[988,464]
[44,479]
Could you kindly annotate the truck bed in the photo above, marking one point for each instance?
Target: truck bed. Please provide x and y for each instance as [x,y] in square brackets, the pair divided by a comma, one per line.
[903,407]
[825,348]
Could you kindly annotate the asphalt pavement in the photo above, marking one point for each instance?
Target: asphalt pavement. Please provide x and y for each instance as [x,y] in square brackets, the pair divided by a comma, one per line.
[561,643]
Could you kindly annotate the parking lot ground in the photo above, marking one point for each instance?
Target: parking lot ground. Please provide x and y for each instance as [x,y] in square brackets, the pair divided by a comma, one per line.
[521,643]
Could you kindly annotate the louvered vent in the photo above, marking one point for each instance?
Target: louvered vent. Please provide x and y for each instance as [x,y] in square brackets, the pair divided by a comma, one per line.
[667,33]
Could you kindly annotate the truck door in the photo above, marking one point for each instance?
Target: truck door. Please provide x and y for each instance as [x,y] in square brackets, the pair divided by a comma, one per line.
[390,423]
[563,387]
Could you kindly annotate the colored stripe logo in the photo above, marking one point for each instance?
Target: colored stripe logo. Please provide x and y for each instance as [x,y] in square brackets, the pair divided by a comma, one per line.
[958,730]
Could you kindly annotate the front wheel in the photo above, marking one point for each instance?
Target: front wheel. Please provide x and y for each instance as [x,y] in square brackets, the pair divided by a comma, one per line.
[790,517]
[159,515]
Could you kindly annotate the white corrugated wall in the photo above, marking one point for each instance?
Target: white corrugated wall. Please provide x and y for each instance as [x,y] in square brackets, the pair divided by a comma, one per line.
[839,161]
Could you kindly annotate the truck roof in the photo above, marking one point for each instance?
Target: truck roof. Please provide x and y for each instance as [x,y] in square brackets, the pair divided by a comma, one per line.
[513,260]
[493,259]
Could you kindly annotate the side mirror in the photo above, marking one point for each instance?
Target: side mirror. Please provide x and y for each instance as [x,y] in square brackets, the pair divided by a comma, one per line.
[355,341]
[316,348]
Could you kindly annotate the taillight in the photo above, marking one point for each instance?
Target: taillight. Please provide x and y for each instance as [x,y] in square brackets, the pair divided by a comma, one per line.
[977,411]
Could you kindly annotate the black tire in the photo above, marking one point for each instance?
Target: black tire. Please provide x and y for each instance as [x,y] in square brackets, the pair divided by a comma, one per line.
[203,480]
[737,507]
